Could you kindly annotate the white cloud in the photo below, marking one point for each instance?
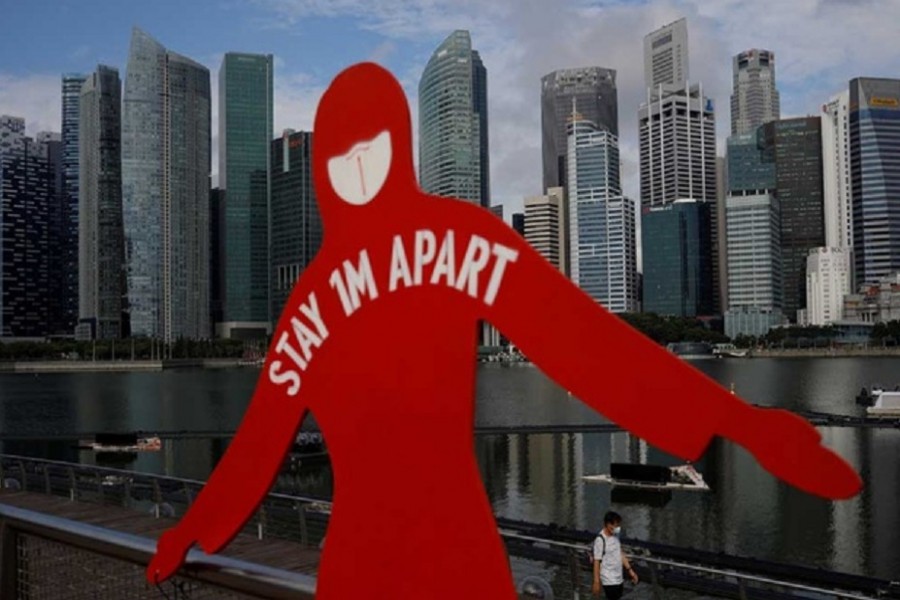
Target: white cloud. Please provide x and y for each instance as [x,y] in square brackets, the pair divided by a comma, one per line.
[37,98]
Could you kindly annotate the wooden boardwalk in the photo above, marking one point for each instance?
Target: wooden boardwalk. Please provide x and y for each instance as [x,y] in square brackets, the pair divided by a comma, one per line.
[280,554]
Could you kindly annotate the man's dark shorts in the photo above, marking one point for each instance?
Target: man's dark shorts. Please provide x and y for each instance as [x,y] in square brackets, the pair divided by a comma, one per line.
[613,592]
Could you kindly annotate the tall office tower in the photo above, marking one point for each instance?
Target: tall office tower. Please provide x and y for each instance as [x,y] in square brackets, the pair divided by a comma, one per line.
[827,282]
[721,242]
[296,224]
[836,183]
[165,191]
[544,227]
[753,239]
[50,146]
[452,114]
[216,252]
[603,260]
[754,97]
[101,237]
[678,156]
[677,259]
[875,176]
[497,209]
[592,90]
[245,136]
[518,223]
[26,192]
[795,145]
[666,56]
[68,215]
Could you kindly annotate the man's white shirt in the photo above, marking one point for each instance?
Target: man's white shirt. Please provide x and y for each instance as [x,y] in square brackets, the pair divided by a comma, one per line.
[611,564]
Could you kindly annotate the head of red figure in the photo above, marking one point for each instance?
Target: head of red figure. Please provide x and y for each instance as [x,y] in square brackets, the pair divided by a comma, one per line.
[362,149]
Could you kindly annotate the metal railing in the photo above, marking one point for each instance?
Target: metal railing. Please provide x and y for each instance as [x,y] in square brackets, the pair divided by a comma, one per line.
[559,560]
[46,557]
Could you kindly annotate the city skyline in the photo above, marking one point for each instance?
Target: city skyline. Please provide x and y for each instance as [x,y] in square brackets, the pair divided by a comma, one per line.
[808,76]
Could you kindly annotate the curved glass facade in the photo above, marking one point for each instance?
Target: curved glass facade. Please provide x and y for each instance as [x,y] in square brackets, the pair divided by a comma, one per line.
[165,189]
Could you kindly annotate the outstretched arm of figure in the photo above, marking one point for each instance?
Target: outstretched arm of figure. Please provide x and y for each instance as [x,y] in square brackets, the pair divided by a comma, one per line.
[250,465]
[644,388]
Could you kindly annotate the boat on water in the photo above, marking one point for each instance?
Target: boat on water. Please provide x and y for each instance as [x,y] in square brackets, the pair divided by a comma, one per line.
[729,351]
[881,403]
[121,442]
[652,477]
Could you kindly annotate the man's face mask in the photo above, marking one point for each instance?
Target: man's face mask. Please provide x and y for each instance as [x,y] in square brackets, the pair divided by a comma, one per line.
[358,175]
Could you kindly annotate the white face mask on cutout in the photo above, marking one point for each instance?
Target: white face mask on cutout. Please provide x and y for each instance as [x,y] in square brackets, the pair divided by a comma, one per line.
[358,175]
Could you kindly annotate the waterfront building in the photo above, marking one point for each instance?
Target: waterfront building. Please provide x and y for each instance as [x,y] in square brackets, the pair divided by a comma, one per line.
[754,96]
[165,191]
[544,227]
[837,191]
[592,91]
[66,236]
[518,223]
[875,303]
[216,252]
[26,194]
[677,259]
[666,56]
[875,176]
[795,146]
[296,224]
[101,237]
[51,146]
[453,122]
[827,282]
[245,135]
[601,220]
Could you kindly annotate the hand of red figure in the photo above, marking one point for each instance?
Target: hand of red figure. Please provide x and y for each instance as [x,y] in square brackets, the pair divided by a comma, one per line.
[171,550]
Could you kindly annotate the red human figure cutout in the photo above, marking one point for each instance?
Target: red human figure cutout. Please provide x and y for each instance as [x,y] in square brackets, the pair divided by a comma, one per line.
[378,340]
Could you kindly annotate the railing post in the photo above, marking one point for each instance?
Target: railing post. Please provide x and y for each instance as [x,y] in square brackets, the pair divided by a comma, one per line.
[9,558]
[187,495]
[73,485]
[654,577]
[157,497]
[574,571]
[304,532]
[48,489]
[742,589]
[261,520]
[24,476]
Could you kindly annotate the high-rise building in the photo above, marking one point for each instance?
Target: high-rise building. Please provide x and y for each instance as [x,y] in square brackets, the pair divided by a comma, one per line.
[721,240]
[666,56]
[26,193]
[101,237]
[592,92]
[753,239]
[603,260]
[245,135]
[497,209]
[544,227]
[452,115]
[827,282]
[165,191]
[216,252]
[51,146]
[296,224]
[753,224]
[754,97]
[795,146]
[678,156]
[677,259]
[875,177]
[66,219]
[836,184]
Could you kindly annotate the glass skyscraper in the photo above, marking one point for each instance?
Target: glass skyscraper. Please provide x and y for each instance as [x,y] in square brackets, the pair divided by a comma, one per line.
[601,220]
[245,133]
[754,97]
[165,191]
[101,269]
[453,122]
[677,259]
[296,225]
[875,177]
[66,245]
[589,90]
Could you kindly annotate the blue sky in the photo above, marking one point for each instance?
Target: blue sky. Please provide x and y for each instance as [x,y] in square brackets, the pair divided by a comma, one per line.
[819,46]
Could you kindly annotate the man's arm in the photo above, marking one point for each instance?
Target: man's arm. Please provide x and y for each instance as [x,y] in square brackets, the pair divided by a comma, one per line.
[595,588]
[628,569]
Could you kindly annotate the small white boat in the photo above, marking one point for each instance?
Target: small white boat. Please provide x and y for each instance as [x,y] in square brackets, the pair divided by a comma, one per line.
[682,477]
[886,404]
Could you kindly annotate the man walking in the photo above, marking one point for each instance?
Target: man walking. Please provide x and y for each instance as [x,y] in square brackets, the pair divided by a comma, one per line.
[609,561]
